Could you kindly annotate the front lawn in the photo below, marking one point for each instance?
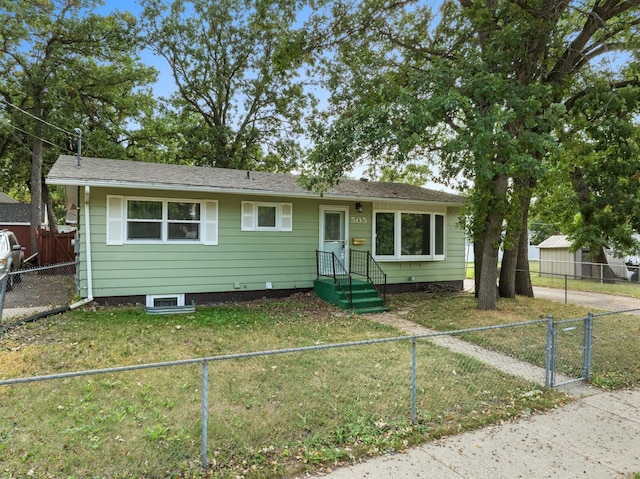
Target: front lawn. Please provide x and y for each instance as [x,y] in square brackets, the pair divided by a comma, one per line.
[269,416]
[616,358]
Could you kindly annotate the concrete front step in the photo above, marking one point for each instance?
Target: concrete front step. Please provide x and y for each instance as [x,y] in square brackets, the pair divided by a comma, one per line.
[365,298]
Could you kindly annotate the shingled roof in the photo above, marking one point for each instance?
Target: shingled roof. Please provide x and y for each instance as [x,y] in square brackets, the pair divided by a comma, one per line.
[5,198]
[98,172]
[555,242]
[14,213]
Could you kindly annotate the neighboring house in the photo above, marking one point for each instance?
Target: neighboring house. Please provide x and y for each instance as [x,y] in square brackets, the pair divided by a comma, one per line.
[171,234]
[16,216]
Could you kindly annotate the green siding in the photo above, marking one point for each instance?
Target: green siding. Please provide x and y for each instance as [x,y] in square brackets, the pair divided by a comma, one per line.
[247,259]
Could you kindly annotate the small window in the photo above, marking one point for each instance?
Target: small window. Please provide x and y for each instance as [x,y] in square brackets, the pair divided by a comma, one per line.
[183,221]
[144,220]
[164,301]
[266,216]
[385,234]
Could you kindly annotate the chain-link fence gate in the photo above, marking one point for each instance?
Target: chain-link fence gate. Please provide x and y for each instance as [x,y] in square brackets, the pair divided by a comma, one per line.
[569,358]
[30,292]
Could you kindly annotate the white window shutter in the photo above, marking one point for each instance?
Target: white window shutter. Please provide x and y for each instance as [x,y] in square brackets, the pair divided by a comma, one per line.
[115,220]
[210,225]
[287,216]
[248,216]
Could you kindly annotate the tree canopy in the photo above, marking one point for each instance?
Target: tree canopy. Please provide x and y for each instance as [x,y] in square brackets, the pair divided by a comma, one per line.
[64,68]
[593,190]
[241,97]
[482,89]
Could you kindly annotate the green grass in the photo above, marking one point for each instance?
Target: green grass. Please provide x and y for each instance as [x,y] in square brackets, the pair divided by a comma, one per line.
[620,288]
[615,363]
[271,416]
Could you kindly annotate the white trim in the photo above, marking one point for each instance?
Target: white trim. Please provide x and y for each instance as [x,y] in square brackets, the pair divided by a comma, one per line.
[117,221]
[249,216]
[343,209]
[397,240]
[150,299]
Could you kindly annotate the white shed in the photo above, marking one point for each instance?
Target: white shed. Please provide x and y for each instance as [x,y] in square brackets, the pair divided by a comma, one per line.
[556,257]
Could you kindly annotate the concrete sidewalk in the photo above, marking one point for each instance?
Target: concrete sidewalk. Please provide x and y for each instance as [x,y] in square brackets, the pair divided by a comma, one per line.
[596,436]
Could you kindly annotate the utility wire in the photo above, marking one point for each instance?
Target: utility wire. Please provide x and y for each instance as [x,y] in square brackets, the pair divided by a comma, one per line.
[39,119]
[37,137]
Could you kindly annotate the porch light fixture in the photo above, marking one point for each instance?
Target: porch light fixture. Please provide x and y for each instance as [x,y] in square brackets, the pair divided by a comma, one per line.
[359,207]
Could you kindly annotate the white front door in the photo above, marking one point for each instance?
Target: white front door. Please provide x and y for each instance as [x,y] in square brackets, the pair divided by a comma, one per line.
[333,232]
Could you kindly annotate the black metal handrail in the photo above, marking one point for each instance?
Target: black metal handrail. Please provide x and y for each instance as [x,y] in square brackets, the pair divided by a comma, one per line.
[328,264]
[363,264]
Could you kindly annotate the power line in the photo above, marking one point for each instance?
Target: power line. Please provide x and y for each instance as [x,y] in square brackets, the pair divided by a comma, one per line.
[39,119]
[34,136]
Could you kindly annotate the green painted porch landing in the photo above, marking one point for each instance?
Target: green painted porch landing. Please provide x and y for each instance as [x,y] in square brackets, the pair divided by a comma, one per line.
[365,297]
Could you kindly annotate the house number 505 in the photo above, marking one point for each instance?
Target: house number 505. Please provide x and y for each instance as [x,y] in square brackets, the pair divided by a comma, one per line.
[359,219]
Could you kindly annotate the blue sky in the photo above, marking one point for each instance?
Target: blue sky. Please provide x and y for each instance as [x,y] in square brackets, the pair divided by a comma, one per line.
[165,85]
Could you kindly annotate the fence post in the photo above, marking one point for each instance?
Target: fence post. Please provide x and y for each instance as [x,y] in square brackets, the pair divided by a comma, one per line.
[549,379]
[566,288]
[601,273]
[205,404]
[3,290]
[414,375]
[588,334]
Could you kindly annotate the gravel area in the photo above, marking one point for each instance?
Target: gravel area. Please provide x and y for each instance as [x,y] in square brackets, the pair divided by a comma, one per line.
[40,289]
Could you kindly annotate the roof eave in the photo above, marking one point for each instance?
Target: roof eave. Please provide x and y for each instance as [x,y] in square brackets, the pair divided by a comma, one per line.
[235,191]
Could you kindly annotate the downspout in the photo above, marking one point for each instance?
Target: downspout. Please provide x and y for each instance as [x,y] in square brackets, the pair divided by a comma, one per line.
[87,232]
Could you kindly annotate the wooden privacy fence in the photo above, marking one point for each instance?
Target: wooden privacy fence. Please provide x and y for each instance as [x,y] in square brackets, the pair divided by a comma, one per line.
[54,248]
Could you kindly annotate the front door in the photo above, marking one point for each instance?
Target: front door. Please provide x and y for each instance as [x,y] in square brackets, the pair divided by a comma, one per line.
[333,233]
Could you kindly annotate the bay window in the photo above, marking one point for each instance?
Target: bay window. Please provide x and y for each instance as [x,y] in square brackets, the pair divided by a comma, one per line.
[409,235]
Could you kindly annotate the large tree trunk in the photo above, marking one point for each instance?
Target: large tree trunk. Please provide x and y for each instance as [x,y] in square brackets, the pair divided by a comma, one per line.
[36,181]
[478,246]
[523,273]
[517,223]
[492,239]
[487,291]
[507,285]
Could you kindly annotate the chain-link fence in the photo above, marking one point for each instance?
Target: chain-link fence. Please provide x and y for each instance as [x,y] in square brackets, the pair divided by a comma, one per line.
[274,412]
[31,291]
[280,412]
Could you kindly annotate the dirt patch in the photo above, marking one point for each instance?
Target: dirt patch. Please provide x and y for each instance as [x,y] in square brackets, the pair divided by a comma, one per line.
[35,289]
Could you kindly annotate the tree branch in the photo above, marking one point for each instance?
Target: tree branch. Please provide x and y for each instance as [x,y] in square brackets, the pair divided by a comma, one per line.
[569,104]
[572,59]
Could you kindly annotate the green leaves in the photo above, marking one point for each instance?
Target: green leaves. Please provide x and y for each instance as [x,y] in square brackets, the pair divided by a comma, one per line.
[63,67]
[240,97]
